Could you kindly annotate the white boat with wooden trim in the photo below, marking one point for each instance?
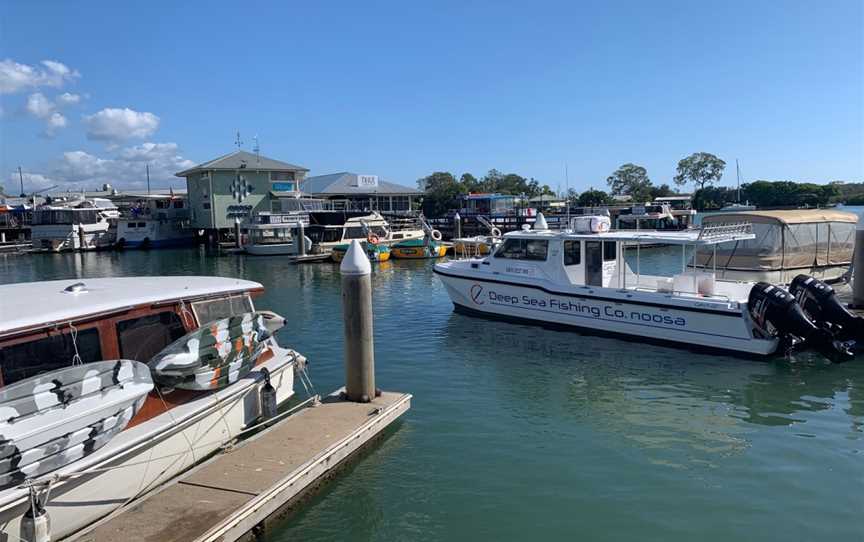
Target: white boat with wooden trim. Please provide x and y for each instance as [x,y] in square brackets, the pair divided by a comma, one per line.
[580,278]
[56,325]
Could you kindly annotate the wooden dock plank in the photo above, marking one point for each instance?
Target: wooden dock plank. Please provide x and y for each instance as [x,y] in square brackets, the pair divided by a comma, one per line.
[227,496]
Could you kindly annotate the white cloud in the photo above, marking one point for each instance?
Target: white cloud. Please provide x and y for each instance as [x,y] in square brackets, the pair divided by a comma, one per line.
[15,77]
[44,109]
[39,106]
[68,99]
[125,169]
[114,124]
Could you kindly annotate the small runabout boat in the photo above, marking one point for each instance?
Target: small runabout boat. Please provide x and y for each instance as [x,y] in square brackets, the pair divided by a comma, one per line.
[375,251]
[585,278]
[110,387]
[816,242]
[418,249]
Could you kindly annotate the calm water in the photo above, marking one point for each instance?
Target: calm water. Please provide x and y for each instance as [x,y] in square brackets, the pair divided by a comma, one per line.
[520,433]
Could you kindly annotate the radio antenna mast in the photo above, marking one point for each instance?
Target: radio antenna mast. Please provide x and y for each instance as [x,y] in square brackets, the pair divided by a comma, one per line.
[256,149]
[237,141]
[567,196]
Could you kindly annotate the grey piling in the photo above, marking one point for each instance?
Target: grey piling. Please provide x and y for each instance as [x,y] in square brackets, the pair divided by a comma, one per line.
[302,237]
[457,226]
[858,267]
[238,240]
[357,318]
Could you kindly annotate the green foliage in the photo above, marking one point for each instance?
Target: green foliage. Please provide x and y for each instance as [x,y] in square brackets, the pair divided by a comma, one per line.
[700,168]
[661,191]
[593,198]
[787,194]
[442,191]
[631,180]
[713,197]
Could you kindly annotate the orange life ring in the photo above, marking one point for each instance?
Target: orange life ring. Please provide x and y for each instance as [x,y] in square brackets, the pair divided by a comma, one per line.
[372,238]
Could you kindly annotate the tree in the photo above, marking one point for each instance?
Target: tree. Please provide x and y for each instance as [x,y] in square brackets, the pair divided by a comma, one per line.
[441,192]
[661,191]
[700,168]
[469,182]
[593,198]
[631,180]
[713,197]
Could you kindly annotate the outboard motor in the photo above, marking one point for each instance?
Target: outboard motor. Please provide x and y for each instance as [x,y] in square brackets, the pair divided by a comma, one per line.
[777,314]
[821,305]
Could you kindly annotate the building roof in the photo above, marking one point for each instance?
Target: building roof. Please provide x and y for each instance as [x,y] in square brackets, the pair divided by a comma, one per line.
[345,183]
[28,305]
[239,160]
[793,216]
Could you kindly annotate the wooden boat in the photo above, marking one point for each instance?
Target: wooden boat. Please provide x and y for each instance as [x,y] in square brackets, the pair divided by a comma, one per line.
[418,249]
[376,252]
[44,324]
[52,419]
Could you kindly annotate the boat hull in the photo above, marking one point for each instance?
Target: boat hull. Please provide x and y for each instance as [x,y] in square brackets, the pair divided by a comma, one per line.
[150,452]
[589,310]
[418,252]
[281,249]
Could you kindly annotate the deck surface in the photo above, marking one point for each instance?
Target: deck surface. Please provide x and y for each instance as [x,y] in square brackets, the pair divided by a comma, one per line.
[227,496]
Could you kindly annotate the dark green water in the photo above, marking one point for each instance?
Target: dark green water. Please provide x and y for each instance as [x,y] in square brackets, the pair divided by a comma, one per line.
[521,433]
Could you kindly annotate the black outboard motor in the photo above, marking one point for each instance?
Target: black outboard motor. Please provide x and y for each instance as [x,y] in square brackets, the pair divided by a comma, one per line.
[777,314]
[821,305]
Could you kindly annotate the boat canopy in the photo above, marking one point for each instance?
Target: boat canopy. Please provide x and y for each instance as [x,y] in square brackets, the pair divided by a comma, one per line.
[716,234]
[785,240]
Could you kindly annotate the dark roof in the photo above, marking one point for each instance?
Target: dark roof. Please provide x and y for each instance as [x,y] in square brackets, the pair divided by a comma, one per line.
[236,159]
[344,183]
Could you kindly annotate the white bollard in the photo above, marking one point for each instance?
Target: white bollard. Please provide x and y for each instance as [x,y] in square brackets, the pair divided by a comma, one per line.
[357,319]
[858,266]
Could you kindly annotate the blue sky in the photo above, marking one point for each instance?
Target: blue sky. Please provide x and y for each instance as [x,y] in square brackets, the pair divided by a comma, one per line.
[402,89]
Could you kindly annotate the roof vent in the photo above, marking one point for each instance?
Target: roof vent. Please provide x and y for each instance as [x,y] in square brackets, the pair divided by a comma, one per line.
[77,288]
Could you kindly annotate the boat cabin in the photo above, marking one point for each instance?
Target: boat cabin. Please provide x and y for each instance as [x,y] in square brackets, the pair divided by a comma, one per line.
[46,326]
[612,259]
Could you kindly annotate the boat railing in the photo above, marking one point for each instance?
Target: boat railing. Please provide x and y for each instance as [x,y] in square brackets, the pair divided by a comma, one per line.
[725,230]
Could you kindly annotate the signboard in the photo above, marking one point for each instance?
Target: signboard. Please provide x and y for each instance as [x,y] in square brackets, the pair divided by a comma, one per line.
[238,211]
[367,181]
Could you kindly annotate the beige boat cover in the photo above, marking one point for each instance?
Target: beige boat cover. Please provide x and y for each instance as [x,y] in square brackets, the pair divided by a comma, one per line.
[785,240]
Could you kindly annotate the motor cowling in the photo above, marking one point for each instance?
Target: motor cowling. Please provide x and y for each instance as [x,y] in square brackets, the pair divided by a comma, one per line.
[820,304]
[777,314]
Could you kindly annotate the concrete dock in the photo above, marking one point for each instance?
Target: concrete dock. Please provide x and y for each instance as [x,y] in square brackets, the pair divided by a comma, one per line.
[236,494]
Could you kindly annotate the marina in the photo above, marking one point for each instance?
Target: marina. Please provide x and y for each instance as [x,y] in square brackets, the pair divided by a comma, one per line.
[697,410]
[440,271]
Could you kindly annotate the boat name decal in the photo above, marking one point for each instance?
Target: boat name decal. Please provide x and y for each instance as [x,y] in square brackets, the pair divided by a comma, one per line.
[603,311]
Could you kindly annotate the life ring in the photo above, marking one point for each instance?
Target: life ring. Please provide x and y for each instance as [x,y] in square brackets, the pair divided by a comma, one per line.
[436,235]
[372,238]
[496,233]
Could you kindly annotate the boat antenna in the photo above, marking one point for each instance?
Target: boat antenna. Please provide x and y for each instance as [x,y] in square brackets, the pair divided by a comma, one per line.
[738,175]
[147,168]
[21,180]
[567,196]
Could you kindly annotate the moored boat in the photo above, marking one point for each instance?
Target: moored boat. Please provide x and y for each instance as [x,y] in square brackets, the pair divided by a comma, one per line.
[376,252]
[418,249]
[54,325]
[581,278]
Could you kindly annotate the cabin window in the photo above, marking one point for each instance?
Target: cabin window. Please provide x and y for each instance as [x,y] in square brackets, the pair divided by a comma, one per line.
[23,360]
[523,249]
[178,204]
[572,252]
[609,251]
[354,233]
[379,231]
[215,309]
[162,204]
[142,338]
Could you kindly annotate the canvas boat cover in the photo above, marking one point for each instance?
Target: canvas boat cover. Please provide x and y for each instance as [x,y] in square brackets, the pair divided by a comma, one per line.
[794,239]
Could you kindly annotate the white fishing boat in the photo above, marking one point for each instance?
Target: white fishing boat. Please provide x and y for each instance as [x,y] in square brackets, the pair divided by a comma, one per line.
[62,228]
[52,326]
[580,278]
[330,229]
[155,221]
[277,234]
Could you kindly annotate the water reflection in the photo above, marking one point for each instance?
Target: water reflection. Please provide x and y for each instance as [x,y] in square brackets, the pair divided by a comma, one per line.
[660,398]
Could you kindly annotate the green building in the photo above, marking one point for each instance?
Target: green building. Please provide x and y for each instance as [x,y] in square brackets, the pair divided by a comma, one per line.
[233,187]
